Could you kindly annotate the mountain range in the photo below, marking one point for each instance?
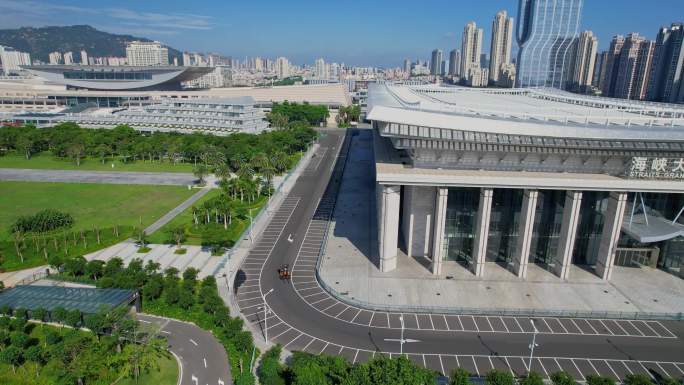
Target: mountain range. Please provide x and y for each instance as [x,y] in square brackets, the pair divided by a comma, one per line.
[39,42]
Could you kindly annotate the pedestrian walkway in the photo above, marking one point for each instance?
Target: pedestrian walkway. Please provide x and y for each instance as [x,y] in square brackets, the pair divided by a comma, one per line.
[107,177]
[349,266]
[197,257]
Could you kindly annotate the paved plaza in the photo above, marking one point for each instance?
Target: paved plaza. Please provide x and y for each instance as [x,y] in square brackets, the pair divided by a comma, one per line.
[350,266]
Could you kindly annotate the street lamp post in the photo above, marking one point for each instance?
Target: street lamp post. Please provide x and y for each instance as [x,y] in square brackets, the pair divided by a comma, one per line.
[251,221]
[532,345]
[266,311]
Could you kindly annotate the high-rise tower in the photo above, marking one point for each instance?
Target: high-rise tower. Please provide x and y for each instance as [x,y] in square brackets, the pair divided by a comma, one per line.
[546,32]
[500,51]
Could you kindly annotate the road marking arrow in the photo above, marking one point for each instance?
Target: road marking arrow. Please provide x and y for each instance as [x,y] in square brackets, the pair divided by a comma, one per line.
[194,379]
[205,363]
[289,238]
[221,382]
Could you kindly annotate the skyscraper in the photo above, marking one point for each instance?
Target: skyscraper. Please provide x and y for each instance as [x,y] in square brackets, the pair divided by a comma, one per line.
[320,69]
[471,49]
[282,67]
[12,60]
[500,51]
[546,31]
[628,67]
[455,62]
[585,60]
[407,66]
[633,68]
[610,64]
[436,62]
[667,76]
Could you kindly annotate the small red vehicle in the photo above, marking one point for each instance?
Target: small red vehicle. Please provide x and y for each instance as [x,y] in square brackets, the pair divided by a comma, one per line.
[284,272]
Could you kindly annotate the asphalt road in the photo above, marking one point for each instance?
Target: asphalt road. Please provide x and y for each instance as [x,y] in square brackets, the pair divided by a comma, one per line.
[203,358]
[111,177]
[301,324]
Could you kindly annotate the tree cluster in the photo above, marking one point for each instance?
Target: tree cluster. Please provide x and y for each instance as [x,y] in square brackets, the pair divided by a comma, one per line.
[42,221]
[113,349]
[288,114]
[349,114]
[70,141]
[169,293]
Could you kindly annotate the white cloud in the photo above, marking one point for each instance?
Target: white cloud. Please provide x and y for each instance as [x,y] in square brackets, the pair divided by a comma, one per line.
[14,13]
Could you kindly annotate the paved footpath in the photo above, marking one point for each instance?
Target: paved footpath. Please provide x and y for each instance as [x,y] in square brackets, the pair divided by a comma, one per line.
[111,177]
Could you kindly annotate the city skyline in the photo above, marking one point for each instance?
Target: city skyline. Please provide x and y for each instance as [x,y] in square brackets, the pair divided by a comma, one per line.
[202,28]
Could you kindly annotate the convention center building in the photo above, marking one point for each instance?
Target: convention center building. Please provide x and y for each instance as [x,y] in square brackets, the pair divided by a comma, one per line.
[515,177]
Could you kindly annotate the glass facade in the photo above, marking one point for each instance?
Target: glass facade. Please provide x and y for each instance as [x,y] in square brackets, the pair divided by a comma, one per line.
[546,32]
[590,227]
[503,225]
[548,220]
[459,228]
[461,222]
[102,75]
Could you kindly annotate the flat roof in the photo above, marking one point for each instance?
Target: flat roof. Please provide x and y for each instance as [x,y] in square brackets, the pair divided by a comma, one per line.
[328,94]
[530,112]
[87,300]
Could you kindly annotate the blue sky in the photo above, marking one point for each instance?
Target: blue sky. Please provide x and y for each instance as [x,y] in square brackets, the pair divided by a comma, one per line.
[370,32]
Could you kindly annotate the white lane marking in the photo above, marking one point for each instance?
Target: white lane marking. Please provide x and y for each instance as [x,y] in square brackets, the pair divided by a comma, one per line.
[478,330]
[441,364]
[547,325]
[677,366]
[646,370]
[371,319]
[355,355]
[561,324]
[144,321]
[578,369]
[576,326]
[180,367]
[431,323]
[165,332]
[627,367]
[324,347]
[591,326]
[593,367]
[294,339]
[310,342]
[620,326]
[543,368]
[205,362]
[194,379]
[193,342]
[504,324]
[637,329]
[672,335]
[445,322]
[516,321]
[490,324]
[458,317]
[611,369]
[475,363]
[509,366]
[606,327]
[490,362]
[357,314]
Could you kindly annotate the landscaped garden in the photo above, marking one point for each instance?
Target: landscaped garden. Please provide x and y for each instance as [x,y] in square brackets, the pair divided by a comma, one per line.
[37,354]
[102,215]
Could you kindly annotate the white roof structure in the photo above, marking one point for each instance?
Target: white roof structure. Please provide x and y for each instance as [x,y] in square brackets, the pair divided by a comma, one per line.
[528,112]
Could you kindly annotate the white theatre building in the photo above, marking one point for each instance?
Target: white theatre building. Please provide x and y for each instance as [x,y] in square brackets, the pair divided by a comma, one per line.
[527,176]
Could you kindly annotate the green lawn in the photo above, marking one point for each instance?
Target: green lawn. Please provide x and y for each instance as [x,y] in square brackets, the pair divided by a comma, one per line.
[48,162]
[92,205]
[167,374]
[194,236]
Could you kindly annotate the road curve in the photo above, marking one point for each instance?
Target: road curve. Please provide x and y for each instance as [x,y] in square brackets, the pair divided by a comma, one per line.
[305,317]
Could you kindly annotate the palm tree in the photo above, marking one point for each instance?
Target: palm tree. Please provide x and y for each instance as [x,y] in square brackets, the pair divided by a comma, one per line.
[279,161]
[18,238]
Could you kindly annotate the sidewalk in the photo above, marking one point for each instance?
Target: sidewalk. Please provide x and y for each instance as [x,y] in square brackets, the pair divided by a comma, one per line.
[350,267]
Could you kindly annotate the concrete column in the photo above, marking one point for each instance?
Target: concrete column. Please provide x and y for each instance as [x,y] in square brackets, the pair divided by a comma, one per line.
[525,229]
[418,204]
[484,212]
[441,198]
[612,223]
[566,244]
[389,198]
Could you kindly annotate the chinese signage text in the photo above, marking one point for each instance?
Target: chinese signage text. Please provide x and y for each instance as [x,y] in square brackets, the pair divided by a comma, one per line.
[656,168]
